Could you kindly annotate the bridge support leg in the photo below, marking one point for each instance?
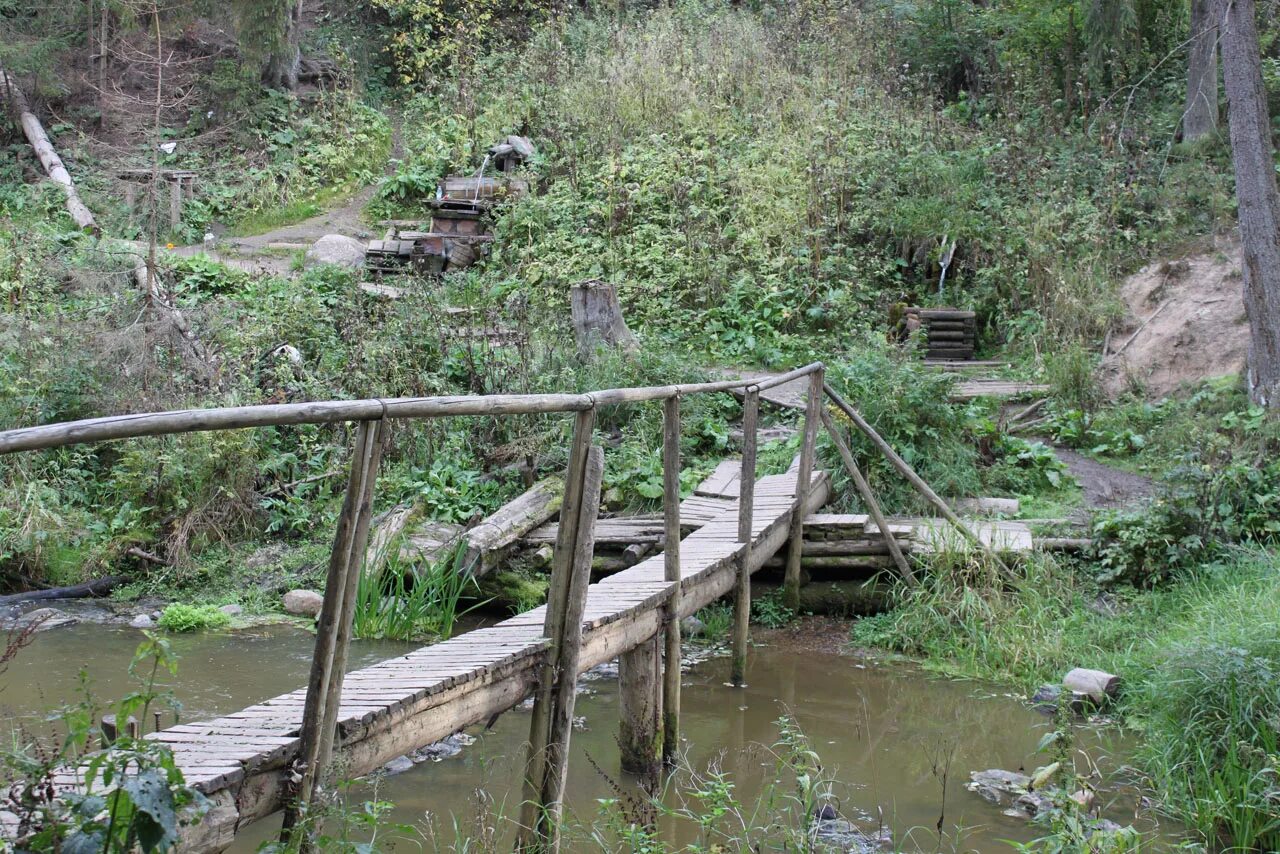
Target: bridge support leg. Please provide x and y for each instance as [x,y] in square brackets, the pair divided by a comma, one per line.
[813,403]
[639,735]
[671,572]
[333,626]
[746,502]
[550,727]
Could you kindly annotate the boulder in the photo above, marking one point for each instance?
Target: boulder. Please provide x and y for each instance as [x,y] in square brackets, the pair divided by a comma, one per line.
[302,603]
[232,610]
[345,252]
[142,621]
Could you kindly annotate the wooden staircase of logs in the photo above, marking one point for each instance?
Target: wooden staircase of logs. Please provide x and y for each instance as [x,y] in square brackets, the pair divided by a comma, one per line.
[949,333]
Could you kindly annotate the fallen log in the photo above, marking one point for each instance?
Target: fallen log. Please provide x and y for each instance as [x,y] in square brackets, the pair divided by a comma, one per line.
[1098,684]
[487,541]
[833,548]
[45,151]
[89,589]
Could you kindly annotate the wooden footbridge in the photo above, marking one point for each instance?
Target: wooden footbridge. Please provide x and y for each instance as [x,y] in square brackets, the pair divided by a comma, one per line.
[277,754]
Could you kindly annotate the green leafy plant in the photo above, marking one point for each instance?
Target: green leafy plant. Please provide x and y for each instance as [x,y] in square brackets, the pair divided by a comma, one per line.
[180,617]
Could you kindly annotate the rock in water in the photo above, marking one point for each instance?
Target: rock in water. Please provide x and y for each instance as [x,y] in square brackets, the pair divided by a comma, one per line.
[345,252]
[302,603]
[142,621]
[45,619]
[397,766]
[692,627]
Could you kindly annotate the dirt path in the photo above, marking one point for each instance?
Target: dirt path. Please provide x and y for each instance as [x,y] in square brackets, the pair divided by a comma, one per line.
[271,251]
[1104,487]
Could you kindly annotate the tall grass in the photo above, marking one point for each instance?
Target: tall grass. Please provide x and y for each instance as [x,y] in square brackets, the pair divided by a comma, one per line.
[406,602]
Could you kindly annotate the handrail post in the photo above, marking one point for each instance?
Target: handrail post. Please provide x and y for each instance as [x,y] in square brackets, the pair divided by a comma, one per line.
[746,502]
[671,572]
[554,627]
[813,404]
[333,627]
[569,646]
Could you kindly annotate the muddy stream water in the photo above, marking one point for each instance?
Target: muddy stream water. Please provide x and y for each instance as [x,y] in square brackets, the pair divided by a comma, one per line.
[887,732]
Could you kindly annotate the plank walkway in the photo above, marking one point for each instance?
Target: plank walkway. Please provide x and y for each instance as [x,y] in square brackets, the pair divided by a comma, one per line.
[983,387]
[240,761]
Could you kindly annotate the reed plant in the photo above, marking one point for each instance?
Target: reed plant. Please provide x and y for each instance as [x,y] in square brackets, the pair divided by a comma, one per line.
[413,601]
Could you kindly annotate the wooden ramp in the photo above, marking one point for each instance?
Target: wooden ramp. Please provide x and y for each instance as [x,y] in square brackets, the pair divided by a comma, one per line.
[241,761]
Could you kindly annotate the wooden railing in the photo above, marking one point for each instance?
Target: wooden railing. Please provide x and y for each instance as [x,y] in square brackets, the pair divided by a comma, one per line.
[554,697]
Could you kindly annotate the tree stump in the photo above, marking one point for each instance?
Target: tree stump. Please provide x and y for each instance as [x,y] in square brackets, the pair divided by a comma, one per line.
[597,318]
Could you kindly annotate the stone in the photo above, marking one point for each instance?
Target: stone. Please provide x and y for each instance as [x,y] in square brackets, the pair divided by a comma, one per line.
[142,621]
[397,766]
[998,786]
[692,627]
[445,748]
[1045,698]
[232,610]
[335,249]
[839,834]
[44,619]
[302,603]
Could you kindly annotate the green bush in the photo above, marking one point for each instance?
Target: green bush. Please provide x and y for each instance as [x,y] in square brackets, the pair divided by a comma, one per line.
[908,406]
[179,617]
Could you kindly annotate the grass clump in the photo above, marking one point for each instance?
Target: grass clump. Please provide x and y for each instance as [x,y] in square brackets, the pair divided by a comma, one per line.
[180,617]
[412,602]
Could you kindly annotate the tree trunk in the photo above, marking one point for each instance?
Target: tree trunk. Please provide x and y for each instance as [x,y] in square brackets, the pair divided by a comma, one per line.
[597,317]
[1256,193]
[281,68]
[44,149]
[1200,117]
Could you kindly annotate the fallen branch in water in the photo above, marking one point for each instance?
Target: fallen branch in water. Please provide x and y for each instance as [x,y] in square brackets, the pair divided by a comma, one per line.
[87,590]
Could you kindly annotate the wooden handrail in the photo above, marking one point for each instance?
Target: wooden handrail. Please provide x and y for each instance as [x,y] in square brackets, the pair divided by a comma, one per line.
[136,425]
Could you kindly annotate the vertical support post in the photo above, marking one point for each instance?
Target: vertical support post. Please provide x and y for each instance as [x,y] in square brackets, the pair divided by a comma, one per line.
[746,502]
[671,572]
[813,402]
[324,686]
[639,706]
[869,499]
[553,627]
[569,645]
[175,202]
